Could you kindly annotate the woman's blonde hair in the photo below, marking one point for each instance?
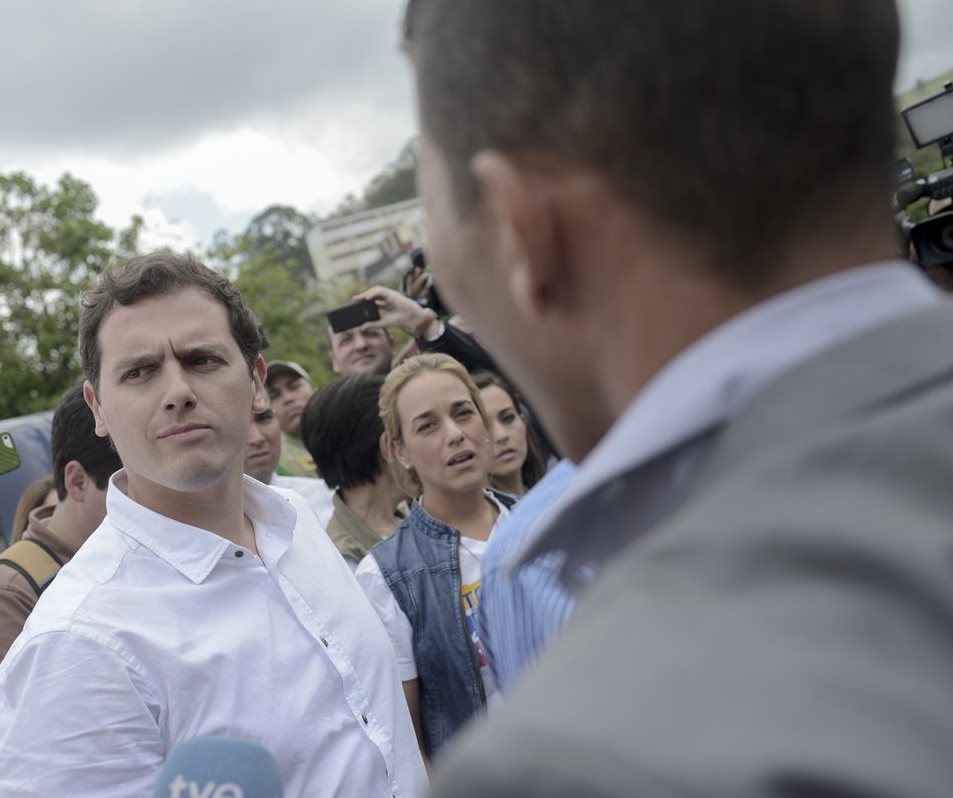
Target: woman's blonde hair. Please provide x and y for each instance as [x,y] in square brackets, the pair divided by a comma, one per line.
[407,478]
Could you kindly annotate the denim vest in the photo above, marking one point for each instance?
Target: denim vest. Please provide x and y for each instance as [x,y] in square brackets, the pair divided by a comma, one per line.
[421,565]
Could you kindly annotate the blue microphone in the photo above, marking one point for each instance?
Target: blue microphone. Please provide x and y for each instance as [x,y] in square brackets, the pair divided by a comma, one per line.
[219,767]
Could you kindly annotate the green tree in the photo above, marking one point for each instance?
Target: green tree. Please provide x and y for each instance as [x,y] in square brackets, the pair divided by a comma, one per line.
[279,235]
[266,264]
[51,247]
[396,182]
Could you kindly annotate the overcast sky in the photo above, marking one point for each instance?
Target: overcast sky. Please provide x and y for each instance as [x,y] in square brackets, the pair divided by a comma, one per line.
[200,114]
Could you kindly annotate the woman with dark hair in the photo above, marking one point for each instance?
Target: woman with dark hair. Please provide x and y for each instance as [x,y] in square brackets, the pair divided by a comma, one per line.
[424,580]
[343,432]
[517,464]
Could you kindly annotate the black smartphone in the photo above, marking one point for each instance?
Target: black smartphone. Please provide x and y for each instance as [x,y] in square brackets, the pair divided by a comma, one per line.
[353,314]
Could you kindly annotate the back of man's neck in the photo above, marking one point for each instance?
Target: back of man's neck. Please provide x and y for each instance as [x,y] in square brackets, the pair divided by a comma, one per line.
[686,303]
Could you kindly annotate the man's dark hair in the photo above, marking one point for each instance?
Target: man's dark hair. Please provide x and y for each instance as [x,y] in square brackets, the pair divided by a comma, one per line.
[154,275]
[341,428]
[74,437]
[741,123]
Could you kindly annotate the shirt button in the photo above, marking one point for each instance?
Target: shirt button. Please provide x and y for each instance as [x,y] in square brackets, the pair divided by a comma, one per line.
[364,718]
[324,642]
[239,554]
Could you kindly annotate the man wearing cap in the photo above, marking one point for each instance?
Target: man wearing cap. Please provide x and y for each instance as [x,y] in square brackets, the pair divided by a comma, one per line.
[289,388]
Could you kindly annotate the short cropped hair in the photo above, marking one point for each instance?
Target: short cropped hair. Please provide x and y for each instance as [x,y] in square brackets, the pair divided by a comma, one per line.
[74,437]
[153,275]
[341,429]
[741,123]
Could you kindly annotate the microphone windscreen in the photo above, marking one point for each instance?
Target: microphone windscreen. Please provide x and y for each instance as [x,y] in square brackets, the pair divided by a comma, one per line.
[219,767]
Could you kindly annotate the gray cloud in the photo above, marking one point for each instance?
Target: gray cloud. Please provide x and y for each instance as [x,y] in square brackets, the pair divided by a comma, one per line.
[927,33]
[128,76]
[199,210]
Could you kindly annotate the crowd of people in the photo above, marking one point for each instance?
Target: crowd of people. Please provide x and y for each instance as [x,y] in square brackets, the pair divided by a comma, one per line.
[699,544]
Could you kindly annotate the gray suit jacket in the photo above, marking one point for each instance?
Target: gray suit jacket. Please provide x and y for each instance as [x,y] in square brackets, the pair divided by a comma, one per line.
[786,631]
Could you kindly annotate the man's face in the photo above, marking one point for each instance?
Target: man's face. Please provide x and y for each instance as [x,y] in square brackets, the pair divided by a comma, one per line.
[486,287]
[264,446]
[289,393]
[361,350]
[175,395]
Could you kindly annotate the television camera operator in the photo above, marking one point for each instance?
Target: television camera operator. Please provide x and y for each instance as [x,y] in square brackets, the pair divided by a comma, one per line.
[928,242]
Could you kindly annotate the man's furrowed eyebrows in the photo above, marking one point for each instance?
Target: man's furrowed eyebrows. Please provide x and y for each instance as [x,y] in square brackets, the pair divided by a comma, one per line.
[134,362]
[200,350]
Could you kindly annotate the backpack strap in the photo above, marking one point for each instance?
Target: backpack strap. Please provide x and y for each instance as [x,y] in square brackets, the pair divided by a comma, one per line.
[34,561]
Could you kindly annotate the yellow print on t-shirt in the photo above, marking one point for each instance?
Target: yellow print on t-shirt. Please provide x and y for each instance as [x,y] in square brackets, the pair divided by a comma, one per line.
[470,595]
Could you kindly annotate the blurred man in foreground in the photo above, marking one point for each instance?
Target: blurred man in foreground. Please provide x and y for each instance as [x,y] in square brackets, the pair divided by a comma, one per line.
[759,395]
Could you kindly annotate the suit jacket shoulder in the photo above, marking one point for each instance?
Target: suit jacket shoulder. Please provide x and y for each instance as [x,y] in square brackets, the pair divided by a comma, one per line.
[788,630]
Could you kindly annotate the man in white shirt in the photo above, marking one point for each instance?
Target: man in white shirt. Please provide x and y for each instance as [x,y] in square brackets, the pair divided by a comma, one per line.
[205,603]
[262,453]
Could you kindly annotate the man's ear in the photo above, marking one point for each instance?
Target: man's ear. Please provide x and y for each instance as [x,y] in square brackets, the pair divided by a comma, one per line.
[526,222]
[260,399]
[76,480]
[90,396]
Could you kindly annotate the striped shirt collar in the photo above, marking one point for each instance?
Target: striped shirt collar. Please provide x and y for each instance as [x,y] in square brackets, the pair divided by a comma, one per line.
[711,381]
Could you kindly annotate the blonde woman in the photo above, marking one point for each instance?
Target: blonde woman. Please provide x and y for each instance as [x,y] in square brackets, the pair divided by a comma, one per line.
[424,580]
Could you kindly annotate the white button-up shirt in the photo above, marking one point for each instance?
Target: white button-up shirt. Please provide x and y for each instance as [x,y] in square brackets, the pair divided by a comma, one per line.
[157,632]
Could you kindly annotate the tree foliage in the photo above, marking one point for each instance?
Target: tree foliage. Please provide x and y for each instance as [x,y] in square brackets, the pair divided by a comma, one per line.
[396,182]
[270,265]
[51,247]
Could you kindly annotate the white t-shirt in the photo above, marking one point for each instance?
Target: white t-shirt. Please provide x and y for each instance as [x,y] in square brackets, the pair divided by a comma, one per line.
[470,552]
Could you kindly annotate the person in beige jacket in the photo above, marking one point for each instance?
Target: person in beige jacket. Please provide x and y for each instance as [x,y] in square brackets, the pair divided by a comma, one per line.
[82,465]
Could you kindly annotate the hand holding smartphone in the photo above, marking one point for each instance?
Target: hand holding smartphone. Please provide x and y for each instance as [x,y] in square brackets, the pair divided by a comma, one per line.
[353,314]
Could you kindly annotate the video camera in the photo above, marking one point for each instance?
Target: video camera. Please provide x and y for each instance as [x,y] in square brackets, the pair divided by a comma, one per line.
[929,122]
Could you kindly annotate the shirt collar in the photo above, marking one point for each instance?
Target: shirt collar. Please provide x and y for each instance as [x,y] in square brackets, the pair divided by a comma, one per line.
[712,380]
[193,551]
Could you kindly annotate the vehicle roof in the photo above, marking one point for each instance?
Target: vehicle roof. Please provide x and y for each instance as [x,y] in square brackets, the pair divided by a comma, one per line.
[24,457]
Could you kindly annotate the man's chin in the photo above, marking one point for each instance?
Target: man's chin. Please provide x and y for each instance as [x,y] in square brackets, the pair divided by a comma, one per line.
[370,365]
